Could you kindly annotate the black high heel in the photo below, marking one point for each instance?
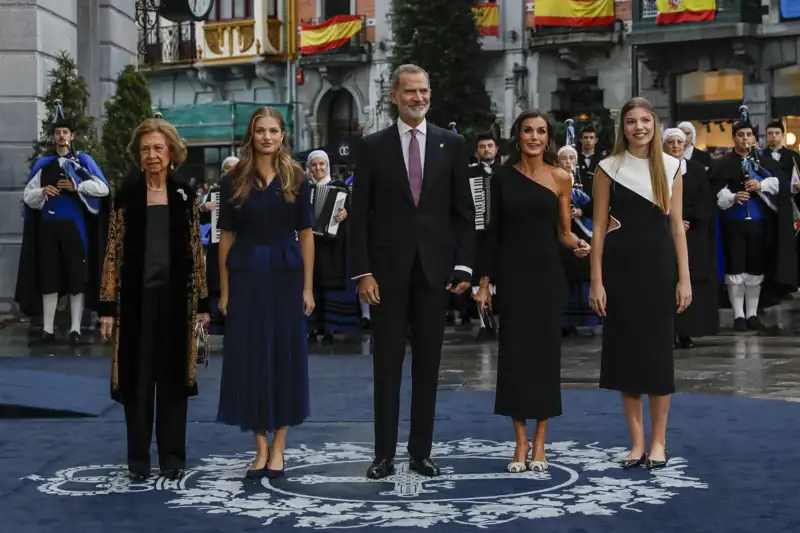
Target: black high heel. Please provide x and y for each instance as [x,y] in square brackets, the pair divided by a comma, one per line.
[633,463]
[656,465]
[258,473]
[275,474]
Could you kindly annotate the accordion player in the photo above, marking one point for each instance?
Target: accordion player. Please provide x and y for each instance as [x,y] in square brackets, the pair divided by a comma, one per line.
[480,181]
[327,199]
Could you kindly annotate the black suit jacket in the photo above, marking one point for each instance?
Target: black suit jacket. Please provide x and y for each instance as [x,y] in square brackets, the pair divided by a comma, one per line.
[387,230]
[702,157]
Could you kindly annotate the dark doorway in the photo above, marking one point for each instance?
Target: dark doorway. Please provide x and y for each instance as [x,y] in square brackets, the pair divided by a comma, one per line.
[343,129]
[331,8]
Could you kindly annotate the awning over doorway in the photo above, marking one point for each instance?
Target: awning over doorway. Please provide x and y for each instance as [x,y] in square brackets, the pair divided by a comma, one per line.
[219,122]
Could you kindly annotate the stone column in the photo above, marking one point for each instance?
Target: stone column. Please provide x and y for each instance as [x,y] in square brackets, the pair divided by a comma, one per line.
[116,44]
[756,100]
[89,55]
[31,37]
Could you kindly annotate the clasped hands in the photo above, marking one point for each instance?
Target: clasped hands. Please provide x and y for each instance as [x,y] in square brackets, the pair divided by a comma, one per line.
[107,324]
[55,190]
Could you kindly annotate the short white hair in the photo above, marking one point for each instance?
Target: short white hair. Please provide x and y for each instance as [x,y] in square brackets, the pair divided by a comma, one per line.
[230,159]
[408,68]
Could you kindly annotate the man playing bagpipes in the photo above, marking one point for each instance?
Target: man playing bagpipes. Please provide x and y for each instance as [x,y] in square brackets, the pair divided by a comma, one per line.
[756,222]
[61,243]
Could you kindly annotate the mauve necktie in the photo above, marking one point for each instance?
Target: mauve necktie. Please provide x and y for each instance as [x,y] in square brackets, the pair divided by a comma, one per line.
[414,167]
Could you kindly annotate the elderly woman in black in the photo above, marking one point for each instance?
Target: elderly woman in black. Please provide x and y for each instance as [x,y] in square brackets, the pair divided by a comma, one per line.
[154,290]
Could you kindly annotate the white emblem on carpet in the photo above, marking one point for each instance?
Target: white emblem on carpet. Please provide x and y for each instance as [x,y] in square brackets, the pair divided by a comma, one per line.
[326,488]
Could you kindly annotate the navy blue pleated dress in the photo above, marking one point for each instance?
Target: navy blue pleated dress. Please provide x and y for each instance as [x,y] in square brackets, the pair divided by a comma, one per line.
[265,366]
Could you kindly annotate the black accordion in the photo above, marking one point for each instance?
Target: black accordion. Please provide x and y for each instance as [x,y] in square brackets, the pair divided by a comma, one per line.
[480,186]
[326,201]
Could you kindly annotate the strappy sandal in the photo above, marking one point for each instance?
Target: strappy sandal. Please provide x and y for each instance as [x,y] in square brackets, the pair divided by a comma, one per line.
[516,467]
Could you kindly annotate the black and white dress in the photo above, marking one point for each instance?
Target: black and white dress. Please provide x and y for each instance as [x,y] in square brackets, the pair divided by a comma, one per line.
[640,274]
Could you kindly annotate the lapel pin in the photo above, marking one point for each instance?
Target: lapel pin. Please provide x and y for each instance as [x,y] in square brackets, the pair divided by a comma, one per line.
[441,145]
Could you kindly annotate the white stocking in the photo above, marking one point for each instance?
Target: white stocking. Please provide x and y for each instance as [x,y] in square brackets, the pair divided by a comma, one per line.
[76,311]
[735,286]
[49,303]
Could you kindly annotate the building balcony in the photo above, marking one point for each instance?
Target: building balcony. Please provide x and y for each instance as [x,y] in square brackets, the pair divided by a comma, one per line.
[168,44]
[734,18]
[235,41]
[551,37]
[357,50]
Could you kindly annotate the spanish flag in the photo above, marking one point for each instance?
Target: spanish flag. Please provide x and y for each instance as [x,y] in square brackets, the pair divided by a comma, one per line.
[676,11]
[573,13]
[486,19]
[328,35]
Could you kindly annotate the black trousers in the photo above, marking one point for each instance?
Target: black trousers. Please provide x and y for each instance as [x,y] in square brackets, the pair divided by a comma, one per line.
[153,389]
[62,258]
[421,306]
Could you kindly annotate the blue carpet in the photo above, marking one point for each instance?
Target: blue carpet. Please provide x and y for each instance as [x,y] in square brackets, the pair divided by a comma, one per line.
[731,470]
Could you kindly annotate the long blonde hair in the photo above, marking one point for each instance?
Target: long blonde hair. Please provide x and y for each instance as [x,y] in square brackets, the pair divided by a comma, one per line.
[244,173]
[658,173]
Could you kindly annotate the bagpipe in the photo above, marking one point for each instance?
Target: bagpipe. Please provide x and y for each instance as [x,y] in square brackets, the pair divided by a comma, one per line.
[579,198]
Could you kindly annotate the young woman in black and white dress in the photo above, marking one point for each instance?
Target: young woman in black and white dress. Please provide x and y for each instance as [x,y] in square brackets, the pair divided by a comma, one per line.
[640,274]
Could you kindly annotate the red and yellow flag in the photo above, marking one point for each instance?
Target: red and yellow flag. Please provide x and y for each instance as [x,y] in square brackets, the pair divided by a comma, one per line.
[487,19]
[676,11]
[333,33]
[573,13]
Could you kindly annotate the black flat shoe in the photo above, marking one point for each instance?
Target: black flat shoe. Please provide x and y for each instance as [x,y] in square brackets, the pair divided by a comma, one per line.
[380,468]
[424,467]
[633,463]
[656,465]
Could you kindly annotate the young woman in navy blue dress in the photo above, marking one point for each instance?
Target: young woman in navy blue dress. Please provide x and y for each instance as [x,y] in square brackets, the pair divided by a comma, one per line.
[266,262]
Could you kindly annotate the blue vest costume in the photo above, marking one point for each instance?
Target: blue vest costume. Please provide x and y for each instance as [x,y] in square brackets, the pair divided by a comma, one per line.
[89,215]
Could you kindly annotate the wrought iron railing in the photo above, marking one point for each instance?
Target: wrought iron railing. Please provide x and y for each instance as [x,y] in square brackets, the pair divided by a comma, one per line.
[170,44]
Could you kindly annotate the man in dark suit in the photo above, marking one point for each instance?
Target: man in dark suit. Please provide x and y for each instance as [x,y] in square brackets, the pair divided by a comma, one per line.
[411,196]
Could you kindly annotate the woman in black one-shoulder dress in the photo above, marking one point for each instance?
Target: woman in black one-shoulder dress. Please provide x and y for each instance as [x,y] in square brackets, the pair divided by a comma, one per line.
[640,274]
[530,221]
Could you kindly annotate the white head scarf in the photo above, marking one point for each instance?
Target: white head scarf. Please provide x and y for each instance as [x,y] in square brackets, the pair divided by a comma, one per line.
[319,153]
[230,159]
[673,132]
[567,148]
[690,126]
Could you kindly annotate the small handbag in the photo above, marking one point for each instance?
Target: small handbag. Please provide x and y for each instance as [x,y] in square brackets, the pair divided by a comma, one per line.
[203,344]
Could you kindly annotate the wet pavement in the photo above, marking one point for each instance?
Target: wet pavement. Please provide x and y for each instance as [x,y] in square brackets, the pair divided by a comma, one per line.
[759,365]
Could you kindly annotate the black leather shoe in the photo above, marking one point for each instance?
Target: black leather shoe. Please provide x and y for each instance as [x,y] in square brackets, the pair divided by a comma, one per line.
[138,475]
[740,324]
[685,343]
[380,468]
[633,463]
[74,338]
[754,324]
[424,467]
[172,474]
